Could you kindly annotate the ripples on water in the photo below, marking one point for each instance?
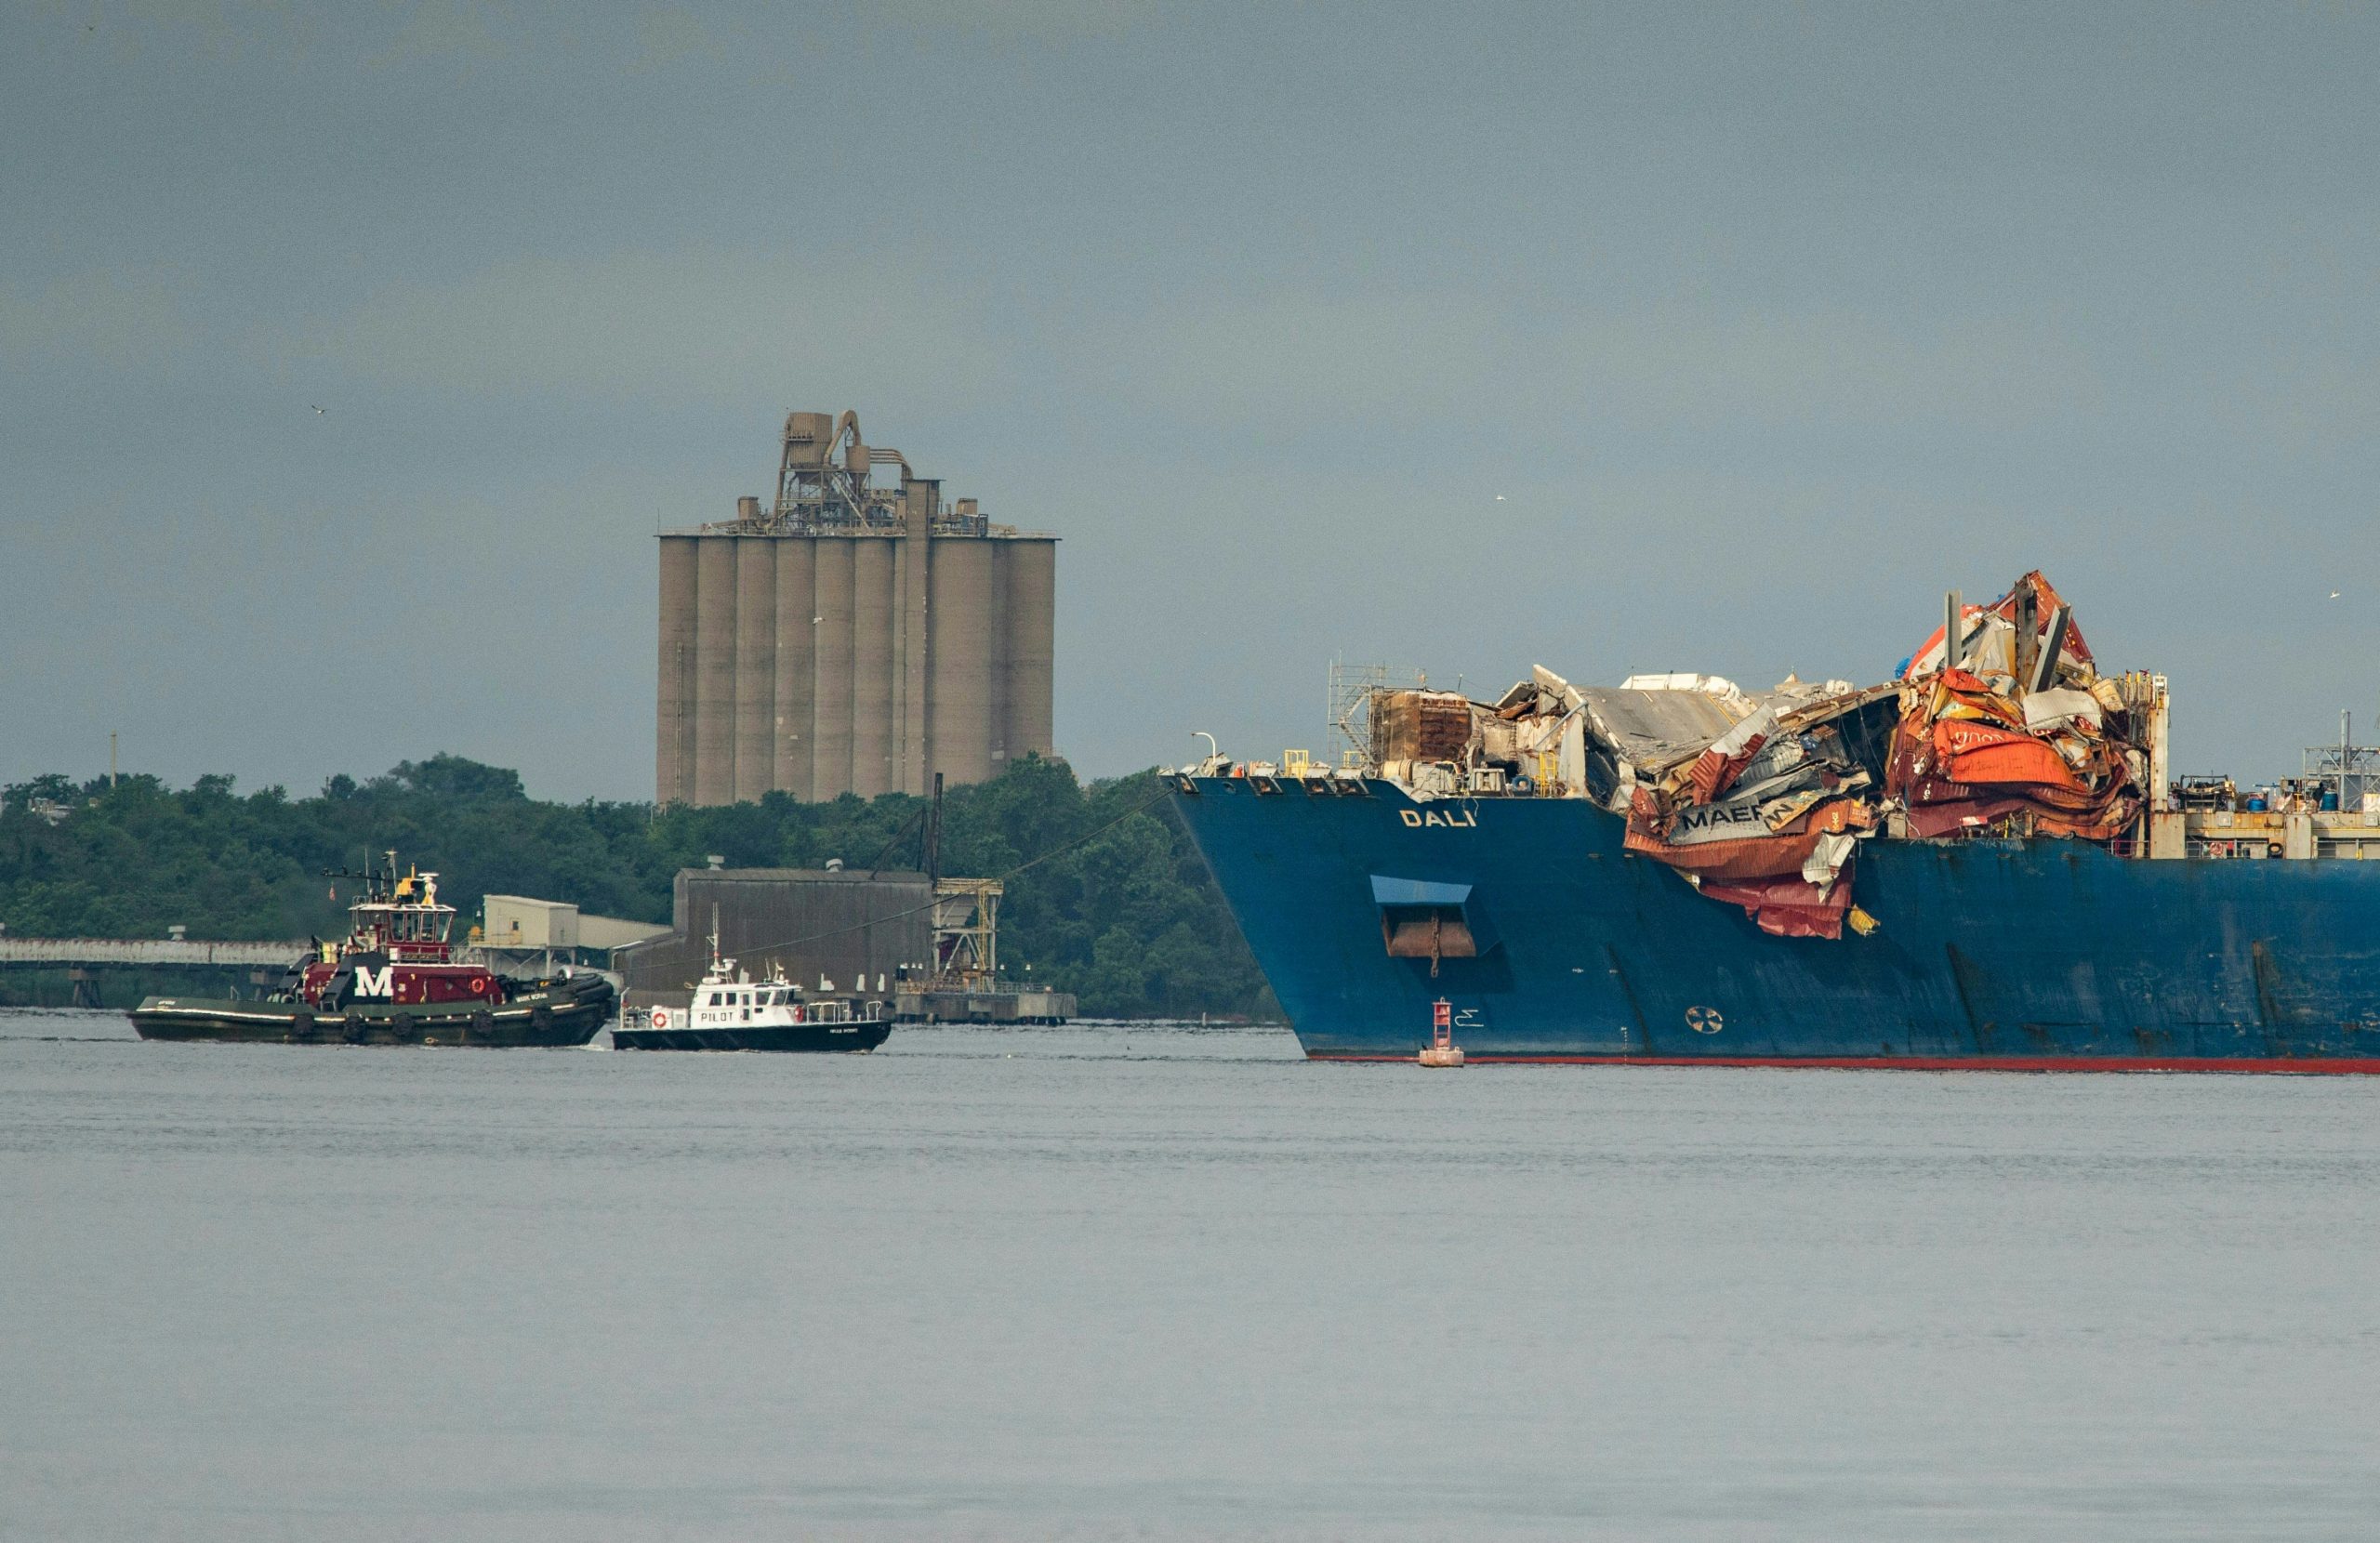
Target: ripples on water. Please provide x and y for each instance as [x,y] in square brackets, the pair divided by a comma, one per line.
[1168,1282]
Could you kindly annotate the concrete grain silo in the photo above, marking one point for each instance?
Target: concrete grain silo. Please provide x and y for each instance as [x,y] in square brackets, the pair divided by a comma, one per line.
[875,619]
[849,636]
[961,634]
[674,731]
[1028,622]
[715,672]
[791,736]
[830,734]
[756,667]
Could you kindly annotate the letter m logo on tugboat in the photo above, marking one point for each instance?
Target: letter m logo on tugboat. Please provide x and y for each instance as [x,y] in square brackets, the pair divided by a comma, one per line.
[376,983]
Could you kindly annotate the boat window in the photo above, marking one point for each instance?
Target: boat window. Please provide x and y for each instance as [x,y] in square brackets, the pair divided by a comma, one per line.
[714,998]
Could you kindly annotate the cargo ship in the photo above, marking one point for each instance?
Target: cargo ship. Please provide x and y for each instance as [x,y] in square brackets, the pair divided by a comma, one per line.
[1982,862]
[394,980]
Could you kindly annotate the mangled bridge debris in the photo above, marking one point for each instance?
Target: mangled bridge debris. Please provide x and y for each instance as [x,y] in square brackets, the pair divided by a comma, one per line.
[1999,725]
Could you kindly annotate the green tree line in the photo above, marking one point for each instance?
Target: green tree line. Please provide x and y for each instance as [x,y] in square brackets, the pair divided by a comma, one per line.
[1119,908]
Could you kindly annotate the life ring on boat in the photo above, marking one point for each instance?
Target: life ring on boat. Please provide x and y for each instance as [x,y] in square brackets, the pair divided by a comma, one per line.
[479,983]
[660,1018]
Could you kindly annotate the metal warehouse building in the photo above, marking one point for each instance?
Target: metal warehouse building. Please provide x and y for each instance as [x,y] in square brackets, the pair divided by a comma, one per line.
[852,929]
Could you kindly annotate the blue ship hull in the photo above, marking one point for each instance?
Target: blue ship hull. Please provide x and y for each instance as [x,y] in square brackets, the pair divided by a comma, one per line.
[2013,955]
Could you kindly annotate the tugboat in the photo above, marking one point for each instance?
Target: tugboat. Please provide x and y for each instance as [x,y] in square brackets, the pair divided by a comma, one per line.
[394,981]
[732,1011]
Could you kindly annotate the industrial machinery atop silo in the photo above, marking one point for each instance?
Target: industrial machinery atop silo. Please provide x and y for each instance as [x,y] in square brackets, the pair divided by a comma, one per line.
[856,635]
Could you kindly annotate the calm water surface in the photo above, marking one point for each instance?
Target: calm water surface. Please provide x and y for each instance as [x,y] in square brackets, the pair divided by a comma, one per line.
[1168,1282]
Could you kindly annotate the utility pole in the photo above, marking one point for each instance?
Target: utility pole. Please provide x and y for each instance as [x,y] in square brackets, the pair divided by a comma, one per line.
[110,760]
[934,835]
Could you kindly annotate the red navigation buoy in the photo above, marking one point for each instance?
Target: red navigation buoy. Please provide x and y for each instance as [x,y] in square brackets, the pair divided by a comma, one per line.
[1442,1050]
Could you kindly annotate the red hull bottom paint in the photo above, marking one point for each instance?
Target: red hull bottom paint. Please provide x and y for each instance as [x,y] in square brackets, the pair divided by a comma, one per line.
[2238,1064]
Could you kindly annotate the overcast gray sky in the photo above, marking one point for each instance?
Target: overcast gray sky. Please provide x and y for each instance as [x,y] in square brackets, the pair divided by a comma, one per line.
[1768,325]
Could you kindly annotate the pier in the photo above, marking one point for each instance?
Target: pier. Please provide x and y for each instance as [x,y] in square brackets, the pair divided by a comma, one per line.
[83,958]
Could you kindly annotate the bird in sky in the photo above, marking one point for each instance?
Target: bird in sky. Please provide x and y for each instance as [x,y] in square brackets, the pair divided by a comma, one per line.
[2334,594]
[1500,498]
[318,410]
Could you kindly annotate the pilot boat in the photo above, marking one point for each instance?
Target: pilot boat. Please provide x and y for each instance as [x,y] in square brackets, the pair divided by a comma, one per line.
[732,1011]
[393,980]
